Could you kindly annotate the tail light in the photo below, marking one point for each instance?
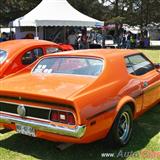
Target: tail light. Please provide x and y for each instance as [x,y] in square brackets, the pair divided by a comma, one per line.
[55,116]
[62,117]
[71,119]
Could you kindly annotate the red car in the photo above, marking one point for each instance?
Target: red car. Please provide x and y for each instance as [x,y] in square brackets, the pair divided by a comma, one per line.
[17,54]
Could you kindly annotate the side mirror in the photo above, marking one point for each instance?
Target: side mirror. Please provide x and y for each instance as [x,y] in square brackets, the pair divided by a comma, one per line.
[157,65]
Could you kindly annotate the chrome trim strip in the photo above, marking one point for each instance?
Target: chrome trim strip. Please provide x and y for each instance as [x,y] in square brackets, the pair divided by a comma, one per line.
[17,115]
[78,132]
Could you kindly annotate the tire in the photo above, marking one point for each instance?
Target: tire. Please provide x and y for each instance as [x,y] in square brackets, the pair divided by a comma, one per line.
[121,130]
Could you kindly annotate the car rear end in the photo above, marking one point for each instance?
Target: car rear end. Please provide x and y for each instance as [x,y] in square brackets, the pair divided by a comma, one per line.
[39,105]
[52,121]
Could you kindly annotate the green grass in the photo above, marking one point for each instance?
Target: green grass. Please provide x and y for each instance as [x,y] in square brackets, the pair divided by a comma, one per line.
[154,55]
[146,137]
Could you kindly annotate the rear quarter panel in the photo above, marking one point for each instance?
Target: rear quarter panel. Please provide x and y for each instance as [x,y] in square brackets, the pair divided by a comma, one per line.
[98,105]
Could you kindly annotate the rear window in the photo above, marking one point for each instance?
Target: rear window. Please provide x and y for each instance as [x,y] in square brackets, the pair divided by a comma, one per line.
[3,56]
[69,65]
[108,37]
[52,50]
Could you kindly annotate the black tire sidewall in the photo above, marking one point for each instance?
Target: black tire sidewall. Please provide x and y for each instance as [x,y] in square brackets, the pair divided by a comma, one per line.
[114,133]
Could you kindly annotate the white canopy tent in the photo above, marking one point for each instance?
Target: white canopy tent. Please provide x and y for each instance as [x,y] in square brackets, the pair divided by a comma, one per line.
[55,13]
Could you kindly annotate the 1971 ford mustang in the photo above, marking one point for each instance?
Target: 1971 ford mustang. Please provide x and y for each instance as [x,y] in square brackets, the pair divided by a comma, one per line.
[17,54]
[80,96]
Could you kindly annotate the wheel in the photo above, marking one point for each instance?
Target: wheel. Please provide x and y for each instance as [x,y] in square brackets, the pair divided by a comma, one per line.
[121,130]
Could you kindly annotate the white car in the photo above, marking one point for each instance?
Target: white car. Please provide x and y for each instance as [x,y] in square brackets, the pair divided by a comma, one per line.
[106,41]
[109,42]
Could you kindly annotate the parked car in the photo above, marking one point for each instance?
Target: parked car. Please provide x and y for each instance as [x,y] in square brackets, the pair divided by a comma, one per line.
[105,41]
[80,96]
[17,54]
[109,42]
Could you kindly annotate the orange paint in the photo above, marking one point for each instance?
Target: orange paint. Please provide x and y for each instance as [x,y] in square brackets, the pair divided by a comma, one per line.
[94,100]
[16,49]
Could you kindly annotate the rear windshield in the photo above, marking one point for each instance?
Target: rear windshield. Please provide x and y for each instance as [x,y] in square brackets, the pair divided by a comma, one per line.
[3,56]
[69,65]
[108,37]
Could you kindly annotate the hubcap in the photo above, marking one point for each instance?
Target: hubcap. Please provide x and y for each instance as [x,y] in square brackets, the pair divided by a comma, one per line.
[124,126]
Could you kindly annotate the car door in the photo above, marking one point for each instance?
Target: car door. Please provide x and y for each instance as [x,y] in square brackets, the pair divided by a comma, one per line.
[150,78]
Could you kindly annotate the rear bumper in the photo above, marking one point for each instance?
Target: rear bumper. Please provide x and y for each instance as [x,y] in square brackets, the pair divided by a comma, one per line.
[77,132]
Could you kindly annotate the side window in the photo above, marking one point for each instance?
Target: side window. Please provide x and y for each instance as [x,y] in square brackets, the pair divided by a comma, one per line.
[3,56]
[51,50]
[129,66]
[38,52]
[138,64]
[30,56]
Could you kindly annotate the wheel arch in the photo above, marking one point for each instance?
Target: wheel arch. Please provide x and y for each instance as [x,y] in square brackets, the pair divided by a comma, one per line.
[127,100]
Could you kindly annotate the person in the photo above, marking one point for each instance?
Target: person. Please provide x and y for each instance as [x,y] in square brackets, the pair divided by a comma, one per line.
[12,35]
[72,40]
[1,40]
[29,36]
[142,41]
[146,42]
[3,37]
[128,37]
[133,41]
[122,40]
[84,40]
[137,40]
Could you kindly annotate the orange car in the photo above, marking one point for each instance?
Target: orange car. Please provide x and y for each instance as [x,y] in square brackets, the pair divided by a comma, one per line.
[80,96]
[17,54]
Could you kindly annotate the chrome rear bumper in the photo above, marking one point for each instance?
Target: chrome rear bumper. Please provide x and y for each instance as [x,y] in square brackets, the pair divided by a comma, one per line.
[77,132]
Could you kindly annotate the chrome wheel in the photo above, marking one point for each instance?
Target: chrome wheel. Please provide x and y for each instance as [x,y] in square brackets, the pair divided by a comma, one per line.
[124,126]
[121,130]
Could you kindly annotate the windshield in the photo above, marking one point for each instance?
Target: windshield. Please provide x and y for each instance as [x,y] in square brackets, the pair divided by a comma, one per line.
[69,65]
[3,56]
[108,37]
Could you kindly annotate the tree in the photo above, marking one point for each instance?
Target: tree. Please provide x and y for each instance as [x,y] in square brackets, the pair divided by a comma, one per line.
[12,9]
[92,8]
[147,11]
[132,12]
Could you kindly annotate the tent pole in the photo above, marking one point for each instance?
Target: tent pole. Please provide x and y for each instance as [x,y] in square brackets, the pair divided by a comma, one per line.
[44,33]
[36,28]
[64,35]
[10,33]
